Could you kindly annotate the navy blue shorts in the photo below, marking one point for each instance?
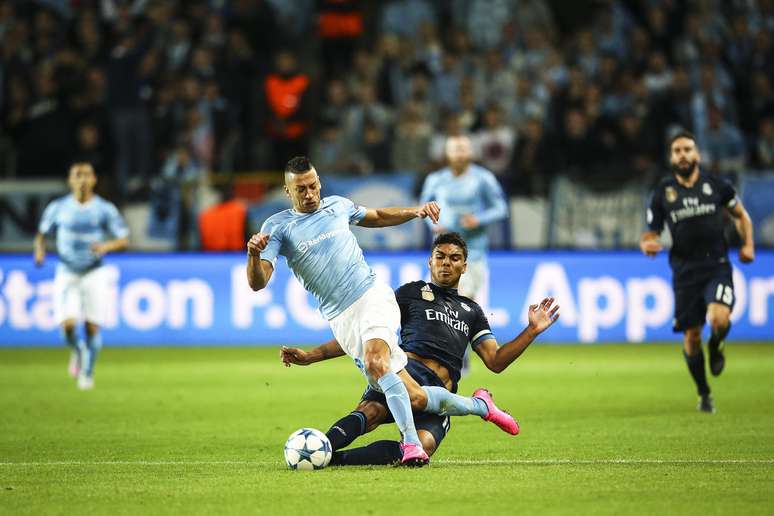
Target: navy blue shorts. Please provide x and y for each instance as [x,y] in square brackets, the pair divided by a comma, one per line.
[437,425]
[716,286]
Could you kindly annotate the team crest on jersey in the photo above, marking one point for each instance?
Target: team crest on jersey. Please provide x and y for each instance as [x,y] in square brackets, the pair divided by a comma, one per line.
[671,194]
[706,189]
[466,307]
[427,293]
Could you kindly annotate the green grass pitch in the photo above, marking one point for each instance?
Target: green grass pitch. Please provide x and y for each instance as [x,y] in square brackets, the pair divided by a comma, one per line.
[608,429]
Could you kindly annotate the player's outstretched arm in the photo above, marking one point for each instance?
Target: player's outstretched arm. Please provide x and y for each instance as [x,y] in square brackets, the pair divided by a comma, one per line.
[541,316]
[40,249]
[330,349]
[649,243]
[745,227]
[384,217]
[258,271]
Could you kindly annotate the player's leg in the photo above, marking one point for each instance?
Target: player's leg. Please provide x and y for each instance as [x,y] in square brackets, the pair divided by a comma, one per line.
[92,291]
[719,296]
[438,400]
[66,312]
[377,363]
[431,428]
[690,313]
[694,359]
[366,417]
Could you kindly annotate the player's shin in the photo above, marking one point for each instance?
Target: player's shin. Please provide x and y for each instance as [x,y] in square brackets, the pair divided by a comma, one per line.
[93,346]
[347,429]
[440,401]
[698,372]
[400,406]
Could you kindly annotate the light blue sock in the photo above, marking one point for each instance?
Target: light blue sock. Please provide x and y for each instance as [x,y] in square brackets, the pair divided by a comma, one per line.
[445,403]
[93,345]
[400,405]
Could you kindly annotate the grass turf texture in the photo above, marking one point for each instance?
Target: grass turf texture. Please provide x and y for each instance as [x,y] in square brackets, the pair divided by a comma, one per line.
[605,430]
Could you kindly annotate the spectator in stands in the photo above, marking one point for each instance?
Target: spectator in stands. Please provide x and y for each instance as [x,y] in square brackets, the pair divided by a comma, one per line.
[495,141]
[127,70]
[332,151]
[534,161]
[404,17]
[724,150]
[412,141]
[764,146]
[365,107]
[375,149]
[287,96]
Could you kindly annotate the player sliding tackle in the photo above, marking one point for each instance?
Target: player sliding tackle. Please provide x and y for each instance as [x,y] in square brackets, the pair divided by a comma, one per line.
[437,325]
[324,255]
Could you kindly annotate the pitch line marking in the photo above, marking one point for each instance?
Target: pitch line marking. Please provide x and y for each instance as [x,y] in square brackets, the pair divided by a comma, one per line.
[449,462]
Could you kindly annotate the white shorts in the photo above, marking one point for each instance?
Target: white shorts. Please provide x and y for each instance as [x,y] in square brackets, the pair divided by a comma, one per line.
[374,316]
[80,296]
[474,279]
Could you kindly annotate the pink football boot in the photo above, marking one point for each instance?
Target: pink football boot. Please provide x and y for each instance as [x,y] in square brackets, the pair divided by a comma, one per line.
[413,455]
[499,417]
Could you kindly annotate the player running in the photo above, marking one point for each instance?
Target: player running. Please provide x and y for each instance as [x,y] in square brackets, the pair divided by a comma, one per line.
[691,204]
[437,326]
[83,222]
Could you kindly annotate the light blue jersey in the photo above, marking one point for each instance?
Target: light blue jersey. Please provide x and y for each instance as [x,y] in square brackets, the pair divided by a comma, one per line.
[475,192]
[322,252]
[78,226]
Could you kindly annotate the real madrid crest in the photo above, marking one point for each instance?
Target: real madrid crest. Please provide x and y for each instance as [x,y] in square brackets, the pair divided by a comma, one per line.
[670,194]
[427,293]
[706,189]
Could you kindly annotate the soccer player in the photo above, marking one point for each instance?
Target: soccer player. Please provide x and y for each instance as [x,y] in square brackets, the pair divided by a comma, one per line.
[87,227]
[691,204]
[437,326]
[470,199]
[324,255]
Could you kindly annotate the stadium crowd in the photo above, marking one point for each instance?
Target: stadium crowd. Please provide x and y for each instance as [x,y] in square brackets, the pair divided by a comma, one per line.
[151,90]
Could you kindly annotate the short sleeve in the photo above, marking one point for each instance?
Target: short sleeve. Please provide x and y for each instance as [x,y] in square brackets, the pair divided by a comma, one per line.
[655,214]
[480,330]
[115,222]
[354,211]
[274,245]
[48,220]
[727,193]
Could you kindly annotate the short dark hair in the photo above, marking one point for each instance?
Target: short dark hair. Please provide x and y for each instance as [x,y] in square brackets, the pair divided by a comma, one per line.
[682,133]
[298,165]
[451,238]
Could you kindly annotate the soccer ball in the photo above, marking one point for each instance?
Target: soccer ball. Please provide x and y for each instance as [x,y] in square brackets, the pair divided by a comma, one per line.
[307,449]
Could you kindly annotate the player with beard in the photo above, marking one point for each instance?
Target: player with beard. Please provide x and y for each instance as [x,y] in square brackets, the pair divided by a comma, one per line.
[437,326]
[691,204]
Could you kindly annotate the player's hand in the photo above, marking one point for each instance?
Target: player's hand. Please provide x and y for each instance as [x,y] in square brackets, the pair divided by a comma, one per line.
[257,243]
[294,356]
[430,209]
[469,221]
[542,315]
[99,248]
[651,247]
[747,253]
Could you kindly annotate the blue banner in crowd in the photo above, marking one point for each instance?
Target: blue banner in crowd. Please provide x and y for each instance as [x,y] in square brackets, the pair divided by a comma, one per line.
[181,300]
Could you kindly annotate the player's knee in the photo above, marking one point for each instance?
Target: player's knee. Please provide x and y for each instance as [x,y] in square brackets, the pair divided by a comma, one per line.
[719,321]
[692,340]
[91,329]
[428,441]
[418,398]
[376,365]
[68,327]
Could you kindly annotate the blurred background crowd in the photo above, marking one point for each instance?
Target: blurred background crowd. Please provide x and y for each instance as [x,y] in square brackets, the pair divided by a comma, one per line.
[172,91]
